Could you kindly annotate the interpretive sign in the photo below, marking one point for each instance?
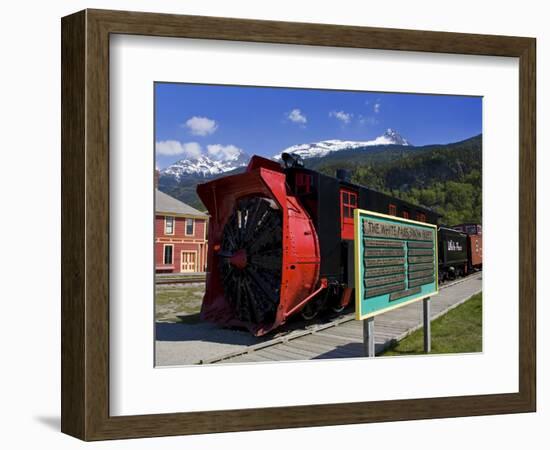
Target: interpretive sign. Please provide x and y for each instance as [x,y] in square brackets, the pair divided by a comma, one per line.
[395,262]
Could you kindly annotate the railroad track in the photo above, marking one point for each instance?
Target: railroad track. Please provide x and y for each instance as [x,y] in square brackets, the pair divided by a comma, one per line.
[180,280]
[297,344]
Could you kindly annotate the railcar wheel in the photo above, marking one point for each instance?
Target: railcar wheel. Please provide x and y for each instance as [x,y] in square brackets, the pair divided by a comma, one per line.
[310,311]
[315,306]
[335,299]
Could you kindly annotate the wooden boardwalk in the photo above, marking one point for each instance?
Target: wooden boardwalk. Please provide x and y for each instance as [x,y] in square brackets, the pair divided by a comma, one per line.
[343,338]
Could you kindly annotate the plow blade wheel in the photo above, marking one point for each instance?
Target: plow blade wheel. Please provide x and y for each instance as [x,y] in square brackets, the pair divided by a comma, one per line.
[251,263]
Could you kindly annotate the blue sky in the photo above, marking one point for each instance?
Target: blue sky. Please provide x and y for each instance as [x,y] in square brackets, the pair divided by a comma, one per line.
[193,119]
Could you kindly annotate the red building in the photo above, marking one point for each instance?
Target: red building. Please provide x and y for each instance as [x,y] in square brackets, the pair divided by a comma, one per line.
[180,236]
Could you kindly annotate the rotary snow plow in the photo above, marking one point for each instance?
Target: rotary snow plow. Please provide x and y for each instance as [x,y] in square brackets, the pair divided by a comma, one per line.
[263,254]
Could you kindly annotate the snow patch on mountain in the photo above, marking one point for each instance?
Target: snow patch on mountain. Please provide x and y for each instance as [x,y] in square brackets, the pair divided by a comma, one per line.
[323,148]
[205,165]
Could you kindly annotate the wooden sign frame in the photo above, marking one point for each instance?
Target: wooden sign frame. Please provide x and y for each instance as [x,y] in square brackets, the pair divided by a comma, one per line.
[85,224]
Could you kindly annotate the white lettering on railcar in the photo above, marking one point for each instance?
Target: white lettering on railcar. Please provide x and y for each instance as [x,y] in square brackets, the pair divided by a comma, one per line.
[453,246]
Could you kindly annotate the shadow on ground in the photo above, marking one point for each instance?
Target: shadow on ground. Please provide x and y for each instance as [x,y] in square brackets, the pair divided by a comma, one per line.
[192,341]
[203,331]
[354,350]
[52,422]
[191,328]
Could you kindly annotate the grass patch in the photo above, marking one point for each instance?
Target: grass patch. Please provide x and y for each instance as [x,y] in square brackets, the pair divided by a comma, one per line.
[458,331]
[178,299]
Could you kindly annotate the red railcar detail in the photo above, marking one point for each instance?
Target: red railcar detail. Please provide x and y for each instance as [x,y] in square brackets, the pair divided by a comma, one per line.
[348,203]
[476,249]
[475,243]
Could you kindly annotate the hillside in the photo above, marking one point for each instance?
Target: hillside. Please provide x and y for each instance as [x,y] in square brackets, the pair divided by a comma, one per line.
[446,178]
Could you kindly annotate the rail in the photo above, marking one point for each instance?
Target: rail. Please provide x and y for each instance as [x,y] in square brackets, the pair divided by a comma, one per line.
[180,279]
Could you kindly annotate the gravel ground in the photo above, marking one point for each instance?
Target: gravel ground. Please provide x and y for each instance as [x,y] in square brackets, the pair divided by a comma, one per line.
[174,299]
[183,344]
[181,338]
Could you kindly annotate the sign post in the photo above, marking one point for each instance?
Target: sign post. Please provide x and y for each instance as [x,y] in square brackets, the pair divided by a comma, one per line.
[395,264]
[427,326]
[368,337]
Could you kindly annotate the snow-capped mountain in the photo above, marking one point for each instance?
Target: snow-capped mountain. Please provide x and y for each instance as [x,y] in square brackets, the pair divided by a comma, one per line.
[208,165]
[323,148]
[204,166]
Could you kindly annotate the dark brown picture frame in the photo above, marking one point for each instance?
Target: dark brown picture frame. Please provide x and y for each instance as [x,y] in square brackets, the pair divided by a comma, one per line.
[85,224]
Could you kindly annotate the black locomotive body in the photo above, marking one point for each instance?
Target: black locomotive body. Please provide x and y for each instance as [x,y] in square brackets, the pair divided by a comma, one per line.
[330,202]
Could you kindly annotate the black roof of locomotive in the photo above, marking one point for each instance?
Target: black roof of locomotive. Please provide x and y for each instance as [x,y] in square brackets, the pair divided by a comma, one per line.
[403,202]
[374,191]
[448,230]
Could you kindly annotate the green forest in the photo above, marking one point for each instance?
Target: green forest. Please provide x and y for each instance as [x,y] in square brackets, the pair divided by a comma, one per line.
[446,178]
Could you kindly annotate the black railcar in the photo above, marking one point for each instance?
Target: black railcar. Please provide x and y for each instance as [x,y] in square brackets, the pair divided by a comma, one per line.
[452,253]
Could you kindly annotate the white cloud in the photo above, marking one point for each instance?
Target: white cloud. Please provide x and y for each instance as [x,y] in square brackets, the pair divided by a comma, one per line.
[201,126]
[368,120]
[376,107]
[296,116]
[223,152]
[191,150]
[341,116]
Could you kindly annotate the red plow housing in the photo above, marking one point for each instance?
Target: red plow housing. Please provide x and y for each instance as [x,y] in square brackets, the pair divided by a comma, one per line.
[263,254]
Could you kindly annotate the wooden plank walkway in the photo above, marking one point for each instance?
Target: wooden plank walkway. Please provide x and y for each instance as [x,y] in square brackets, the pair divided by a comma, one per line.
[344,337]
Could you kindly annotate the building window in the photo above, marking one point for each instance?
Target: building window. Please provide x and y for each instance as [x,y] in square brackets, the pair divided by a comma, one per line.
[421,217]
[393,210]
[405,214]
[189,227]
[168,254]
[168,225]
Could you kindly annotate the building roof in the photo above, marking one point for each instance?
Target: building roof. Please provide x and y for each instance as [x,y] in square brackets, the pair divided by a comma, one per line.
[167,204]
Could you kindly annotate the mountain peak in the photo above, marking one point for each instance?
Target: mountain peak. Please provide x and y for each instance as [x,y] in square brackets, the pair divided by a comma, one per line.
[323,148]
[395,137]
[206,165]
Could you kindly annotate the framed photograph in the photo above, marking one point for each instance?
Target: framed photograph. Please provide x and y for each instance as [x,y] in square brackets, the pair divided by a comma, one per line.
[272,225]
